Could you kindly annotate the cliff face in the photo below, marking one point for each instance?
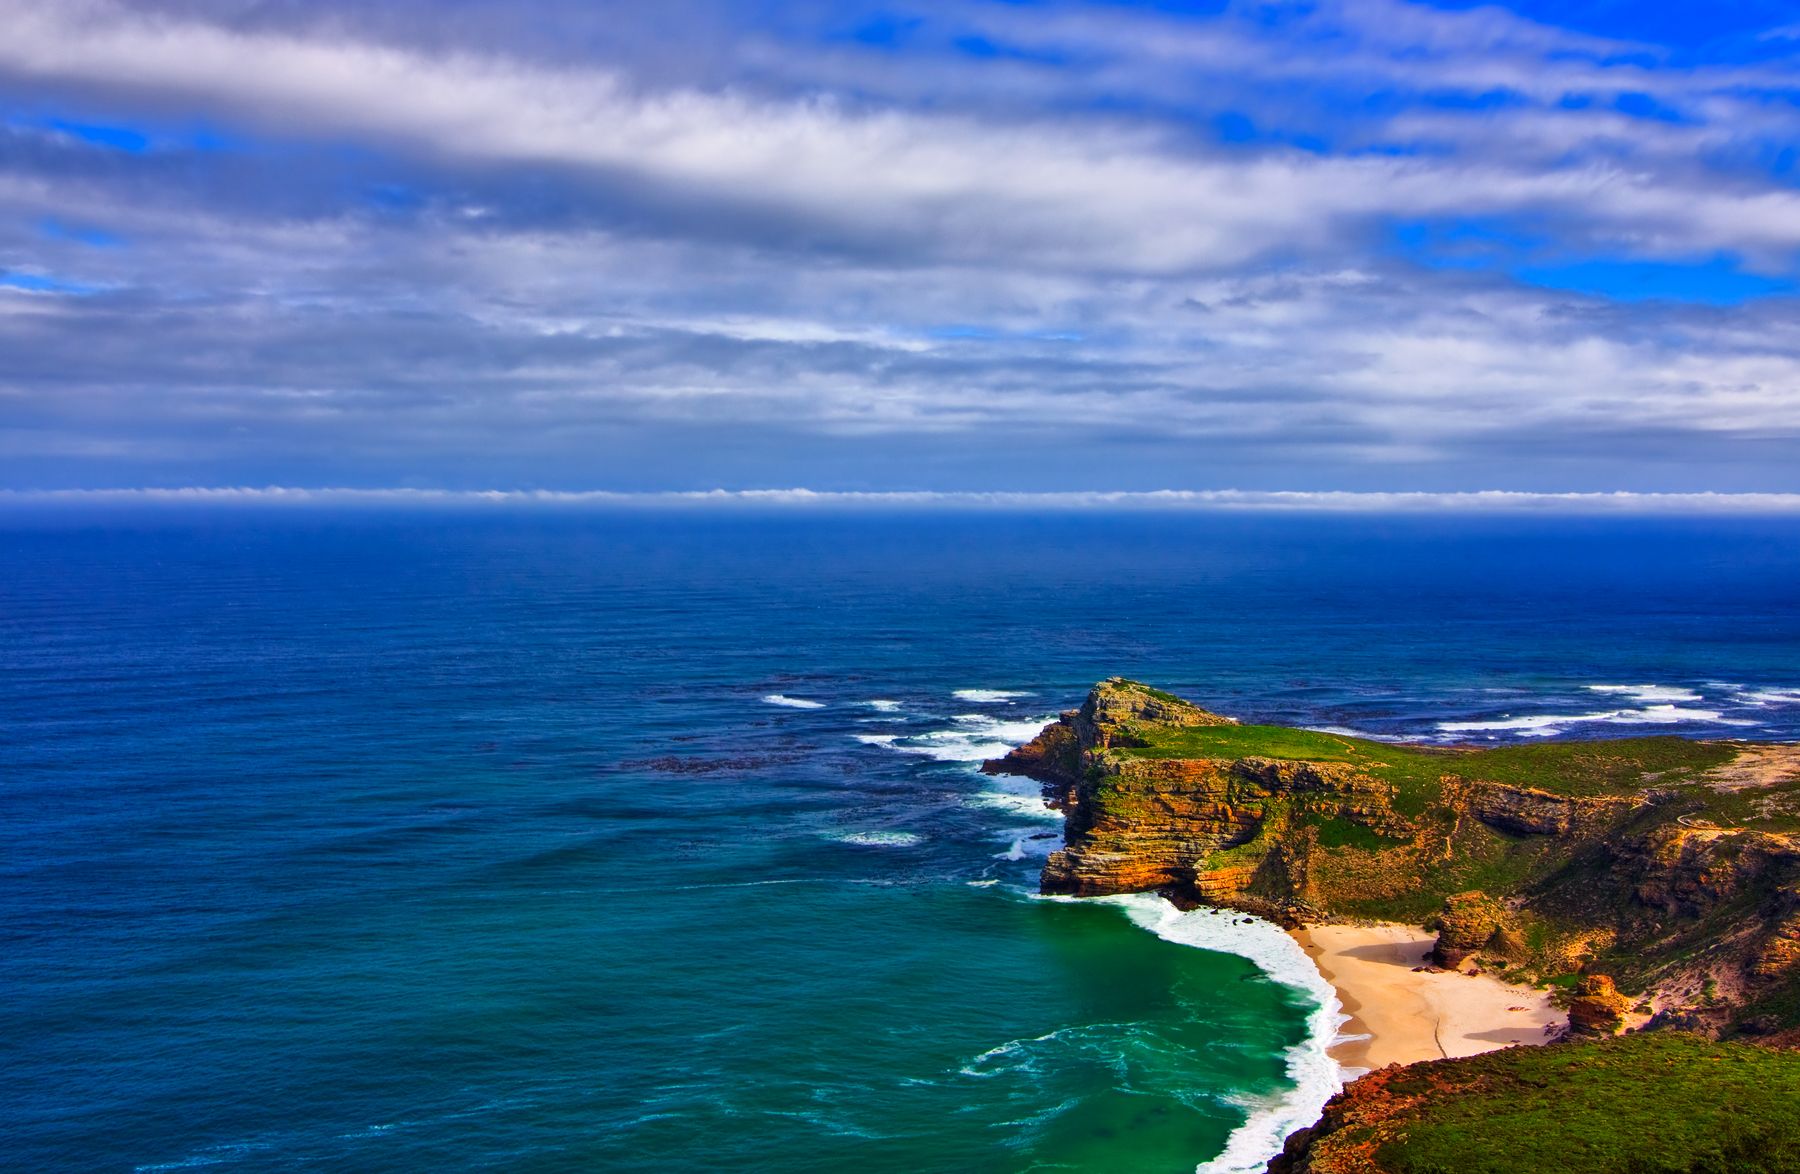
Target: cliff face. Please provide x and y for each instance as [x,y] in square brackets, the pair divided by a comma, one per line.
[1628,858]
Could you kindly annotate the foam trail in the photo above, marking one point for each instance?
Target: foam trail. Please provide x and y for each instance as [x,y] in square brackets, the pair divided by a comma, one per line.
[977,738]
[1647,693]
[882,705]
[880,839]
[1316,1076]
[792,702]
[989,696]
[1771,697]
[1547,724]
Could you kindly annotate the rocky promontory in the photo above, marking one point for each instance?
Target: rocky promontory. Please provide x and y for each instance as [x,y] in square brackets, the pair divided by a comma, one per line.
[1654,881]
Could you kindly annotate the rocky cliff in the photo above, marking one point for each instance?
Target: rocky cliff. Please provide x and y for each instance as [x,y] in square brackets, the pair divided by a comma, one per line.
[1661,862]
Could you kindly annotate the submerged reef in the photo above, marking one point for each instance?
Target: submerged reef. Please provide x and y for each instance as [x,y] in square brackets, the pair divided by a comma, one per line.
[1655,880]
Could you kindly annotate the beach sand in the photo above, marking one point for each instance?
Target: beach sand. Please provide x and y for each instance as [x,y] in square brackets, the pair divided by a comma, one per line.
[1410,1015]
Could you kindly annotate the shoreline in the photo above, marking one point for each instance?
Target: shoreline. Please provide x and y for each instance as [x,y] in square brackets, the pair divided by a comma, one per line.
[1396,1014]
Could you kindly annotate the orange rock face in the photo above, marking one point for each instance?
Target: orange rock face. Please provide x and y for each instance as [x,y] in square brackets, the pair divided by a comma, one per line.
[1597,1007]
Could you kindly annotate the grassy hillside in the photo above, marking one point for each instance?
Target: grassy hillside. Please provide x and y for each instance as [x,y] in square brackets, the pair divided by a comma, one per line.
[1659,1103]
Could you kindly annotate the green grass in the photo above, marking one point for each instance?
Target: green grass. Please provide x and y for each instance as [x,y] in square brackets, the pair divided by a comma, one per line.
[1565,768]
[1659,1103]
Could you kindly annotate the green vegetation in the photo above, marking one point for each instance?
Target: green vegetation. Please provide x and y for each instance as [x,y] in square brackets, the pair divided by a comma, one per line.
[1661,1103]
[1563,768]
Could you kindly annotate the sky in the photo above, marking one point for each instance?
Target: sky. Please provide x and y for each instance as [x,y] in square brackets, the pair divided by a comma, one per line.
[1030,246]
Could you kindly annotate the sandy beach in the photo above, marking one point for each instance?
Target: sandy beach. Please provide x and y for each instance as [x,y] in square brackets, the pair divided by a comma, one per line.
[1400,1015]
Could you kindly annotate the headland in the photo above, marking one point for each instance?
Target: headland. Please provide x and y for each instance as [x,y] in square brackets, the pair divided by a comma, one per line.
[1568,891]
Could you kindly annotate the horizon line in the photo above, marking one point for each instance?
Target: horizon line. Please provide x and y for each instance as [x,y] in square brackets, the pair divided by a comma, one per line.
[1343,501]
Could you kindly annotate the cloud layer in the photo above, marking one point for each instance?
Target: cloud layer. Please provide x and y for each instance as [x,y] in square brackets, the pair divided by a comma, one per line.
[1058,246]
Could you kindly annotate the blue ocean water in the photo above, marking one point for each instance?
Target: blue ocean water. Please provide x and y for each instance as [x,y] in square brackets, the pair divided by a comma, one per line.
[652,841]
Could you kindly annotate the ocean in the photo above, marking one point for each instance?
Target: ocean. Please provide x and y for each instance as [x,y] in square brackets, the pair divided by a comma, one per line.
[544,839]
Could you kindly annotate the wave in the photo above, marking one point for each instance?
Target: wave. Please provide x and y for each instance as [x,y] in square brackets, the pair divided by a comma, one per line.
[1315,1075]
[792,702]
[1347,732]
[1647,693]
[881,839]
[876,739]
[1028,844]
[975,738]
[990,696]
[1762,697]
[882,705]
[1546,725]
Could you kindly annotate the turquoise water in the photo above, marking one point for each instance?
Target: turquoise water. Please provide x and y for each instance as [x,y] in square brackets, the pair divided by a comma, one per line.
[578,842]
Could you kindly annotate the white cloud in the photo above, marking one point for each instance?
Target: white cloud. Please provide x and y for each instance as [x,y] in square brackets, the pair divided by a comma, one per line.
[1490,501]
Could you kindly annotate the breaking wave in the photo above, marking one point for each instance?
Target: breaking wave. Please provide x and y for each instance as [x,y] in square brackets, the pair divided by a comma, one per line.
[792,702]
[990,696]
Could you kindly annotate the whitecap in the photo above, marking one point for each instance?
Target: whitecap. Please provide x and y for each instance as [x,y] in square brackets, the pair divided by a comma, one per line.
[1544,725]
[883,705]
[875,739]
[1347,732]
[1762,697]
[1647,693]
[881,839]
[1028,844]
[989,696]
[1315,1075]
[792,702]
[1541,725]
[1032,806]
[978,739]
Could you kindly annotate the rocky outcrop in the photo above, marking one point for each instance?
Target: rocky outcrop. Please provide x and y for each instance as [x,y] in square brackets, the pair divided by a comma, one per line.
[1527,811]
[1535,860]
[1469,923]
[1596,1007]
[1691,870]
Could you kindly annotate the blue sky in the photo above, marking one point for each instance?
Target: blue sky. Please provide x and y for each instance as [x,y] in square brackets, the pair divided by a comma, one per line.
[1024,245]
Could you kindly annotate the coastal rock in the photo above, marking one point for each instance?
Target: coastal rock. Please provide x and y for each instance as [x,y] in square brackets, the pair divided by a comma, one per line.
[1527,811]
[1466,926]
[1597,1007]
[1542,860]
[1692,870]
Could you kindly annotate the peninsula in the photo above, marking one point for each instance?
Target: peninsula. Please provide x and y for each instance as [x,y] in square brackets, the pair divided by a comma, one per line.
[1649,886]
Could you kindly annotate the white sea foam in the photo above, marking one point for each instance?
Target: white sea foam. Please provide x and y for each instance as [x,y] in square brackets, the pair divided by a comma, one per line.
[1016,803]
[1347,732]
[1547,724]
[990,696]
[883,704]
[1028,844]
[792,702]
[876,739]
[1762,697]
[881,839]
[1647,693]
[1316,1076]
[976,738]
